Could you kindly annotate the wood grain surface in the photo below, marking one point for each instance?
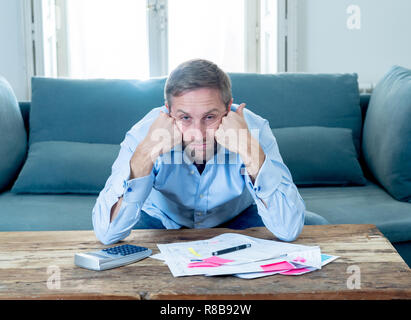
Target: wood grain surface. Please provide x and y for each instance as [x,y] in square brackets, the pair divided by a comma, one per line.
[29,259]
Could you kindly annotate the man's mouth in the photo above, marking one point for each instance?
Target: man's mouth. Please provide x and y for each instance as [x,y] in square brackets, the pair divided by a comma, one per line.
[198,145]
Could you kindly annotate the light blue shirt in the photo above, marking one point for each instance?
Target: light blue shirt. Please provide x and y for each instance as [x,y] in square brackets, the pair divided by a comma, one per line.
[175,193]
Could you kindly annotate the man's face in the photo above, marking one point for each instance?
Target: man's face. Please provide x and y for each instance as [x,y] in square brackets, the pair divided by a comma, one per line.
[198,114]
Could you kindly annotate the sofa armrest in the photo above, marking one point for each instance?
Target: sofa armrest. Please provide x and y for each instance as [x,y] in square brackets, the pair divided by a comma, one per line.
[364,101]
[25,112]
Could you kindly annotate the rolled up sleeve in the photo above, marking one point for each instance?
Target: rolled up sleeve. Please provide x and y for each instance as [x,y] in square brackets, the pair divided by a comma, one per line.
[277,198]
[134,192]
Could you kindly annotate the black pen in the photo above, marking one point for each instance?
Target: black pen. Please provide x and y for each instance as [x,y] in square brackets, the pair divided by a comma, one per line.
[228,250]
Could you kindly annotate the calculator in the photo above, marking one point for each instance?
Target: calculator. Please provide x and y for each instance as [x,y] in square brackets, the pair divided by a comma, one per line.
[111,257]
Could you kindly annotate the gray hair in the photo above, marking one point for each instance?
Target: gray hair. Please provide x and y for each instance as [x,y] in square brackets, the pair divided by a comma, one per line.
[196,74]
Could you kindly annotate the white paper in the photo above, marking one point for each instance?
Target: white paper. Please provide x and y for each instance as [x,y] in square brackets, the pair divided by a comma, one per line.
[179,255]
[325,259]
[307,258]
[158,256]
[244,268]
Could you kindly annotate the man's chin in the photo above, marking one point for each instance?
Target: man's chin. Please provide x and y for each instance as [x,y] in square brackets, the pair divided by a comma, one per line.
[200,154]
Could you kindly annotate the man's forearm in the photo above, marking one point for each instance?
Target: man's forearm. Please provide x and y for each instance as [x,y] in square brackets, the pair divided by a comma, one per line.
[141,163]
[253,157]
[115,209]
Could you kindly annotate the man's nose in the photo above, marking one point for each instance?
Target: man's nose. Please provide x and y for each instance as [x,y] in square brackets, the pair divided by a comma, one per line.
[197,132]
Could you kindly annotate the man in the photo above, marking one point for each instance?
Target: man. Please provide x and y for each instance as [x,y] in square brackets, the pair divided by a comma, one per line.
[199,162]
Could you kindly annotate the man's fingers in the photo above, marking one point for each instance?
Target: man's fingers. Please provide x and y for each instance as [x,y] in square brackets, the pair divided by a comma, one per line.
[240,109]
[177,131]
[218,133]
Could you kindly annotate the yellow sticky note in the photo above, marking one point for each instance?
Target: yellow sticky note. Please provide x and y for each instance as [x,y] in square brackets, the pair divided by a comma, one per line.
[193,252]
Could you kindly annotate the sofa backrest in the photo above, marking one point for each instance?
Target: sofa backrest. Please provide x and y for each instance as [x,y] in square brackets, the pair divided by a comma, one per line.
[25,109]
[302,99]
[102,111]
[90,111]
[316,118]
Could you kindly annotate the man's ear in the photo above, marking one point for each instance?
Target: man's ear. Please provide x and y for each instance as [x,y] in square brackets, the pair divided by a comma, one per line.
[229,105]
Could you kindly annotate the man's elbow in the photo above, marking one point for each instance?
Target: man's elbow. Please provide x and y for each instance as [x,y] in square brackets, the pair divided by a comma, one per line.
[298,224]
[106,241]
[291,235]
[294,228]
[107,237]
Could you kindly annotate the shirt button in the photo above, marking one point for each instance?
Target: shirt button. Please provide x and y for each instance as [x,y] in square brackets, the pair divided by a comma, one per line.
[129,190]
[201,195]
[192,172]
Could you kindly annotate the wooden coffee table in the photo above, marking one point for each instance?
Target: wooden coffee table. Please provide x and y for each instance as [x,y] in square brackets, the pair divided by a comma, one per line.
[40,265]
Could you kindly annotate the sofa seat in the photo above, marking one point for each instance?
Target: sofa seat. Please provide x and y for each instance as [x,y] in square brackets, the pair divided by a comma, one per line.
[369,204]
[31,212]
[339,205]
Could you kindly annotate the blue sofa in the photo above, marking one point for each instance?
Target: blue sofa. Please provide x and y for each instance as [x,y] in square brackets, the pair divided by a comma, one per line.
[349,154]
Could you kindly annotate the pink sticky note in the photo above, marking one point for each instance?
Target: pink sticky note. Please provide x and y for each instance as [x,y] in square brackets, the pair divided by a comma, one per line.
[217,260]
[299,259]
[202,265]
[295,271]
[278,266]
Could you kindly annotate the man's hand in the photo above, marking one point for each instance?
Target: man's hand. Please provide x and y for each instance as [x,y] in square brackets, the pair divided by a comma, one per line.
[233,131]
[233,134]
[162,136]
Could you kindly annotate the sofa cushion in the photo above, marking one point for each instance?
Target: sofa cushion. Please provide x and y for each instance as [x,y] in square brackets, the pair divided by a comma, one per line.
[13,138]
[301,99]
[369,204]
[43,212]
[72,121]
[320,155]
[387,133]
[66,167]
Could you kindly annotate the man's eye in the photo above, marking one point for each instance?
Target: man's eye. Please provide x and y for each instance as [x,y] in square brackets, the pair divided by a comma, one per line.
[185,118]
[210,117]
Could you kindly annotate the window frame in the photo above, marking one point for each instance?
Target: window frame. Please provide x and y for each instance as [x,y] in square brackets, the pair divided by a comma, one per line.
[287,14]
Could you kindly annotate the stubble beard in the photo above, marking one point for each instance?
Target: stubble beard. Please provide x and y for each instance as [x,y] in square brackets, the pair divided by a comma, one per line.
[200,156]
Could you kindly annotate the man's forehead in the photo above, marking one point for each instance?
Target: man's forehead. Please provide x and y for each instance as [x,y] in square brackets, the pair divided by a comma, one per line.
[199,94]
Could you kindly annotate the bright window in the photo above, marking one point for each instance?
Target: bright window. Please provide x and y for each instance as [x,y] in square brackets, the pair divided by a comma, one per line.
[107,39]
[138,39]
[212,29]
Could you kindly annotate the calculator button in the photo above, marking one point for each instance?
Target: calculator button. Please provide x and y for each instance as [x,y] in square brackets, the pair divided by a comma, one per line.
[124,250]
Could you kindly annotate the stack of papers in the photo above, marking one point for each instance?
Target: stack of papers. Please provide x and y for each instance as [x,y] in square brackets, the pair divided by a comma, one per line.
[262,258]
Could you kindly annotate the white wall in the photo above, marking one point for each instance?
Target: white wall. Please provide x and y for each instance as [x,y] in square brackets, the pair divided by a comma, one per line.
[12,51]
[325,44]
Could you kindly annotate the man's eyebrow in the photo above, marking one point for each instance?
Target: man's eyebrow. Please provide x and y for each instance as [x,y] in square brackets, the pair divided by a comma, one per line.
[179,110]
[209,111]
[212,110]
